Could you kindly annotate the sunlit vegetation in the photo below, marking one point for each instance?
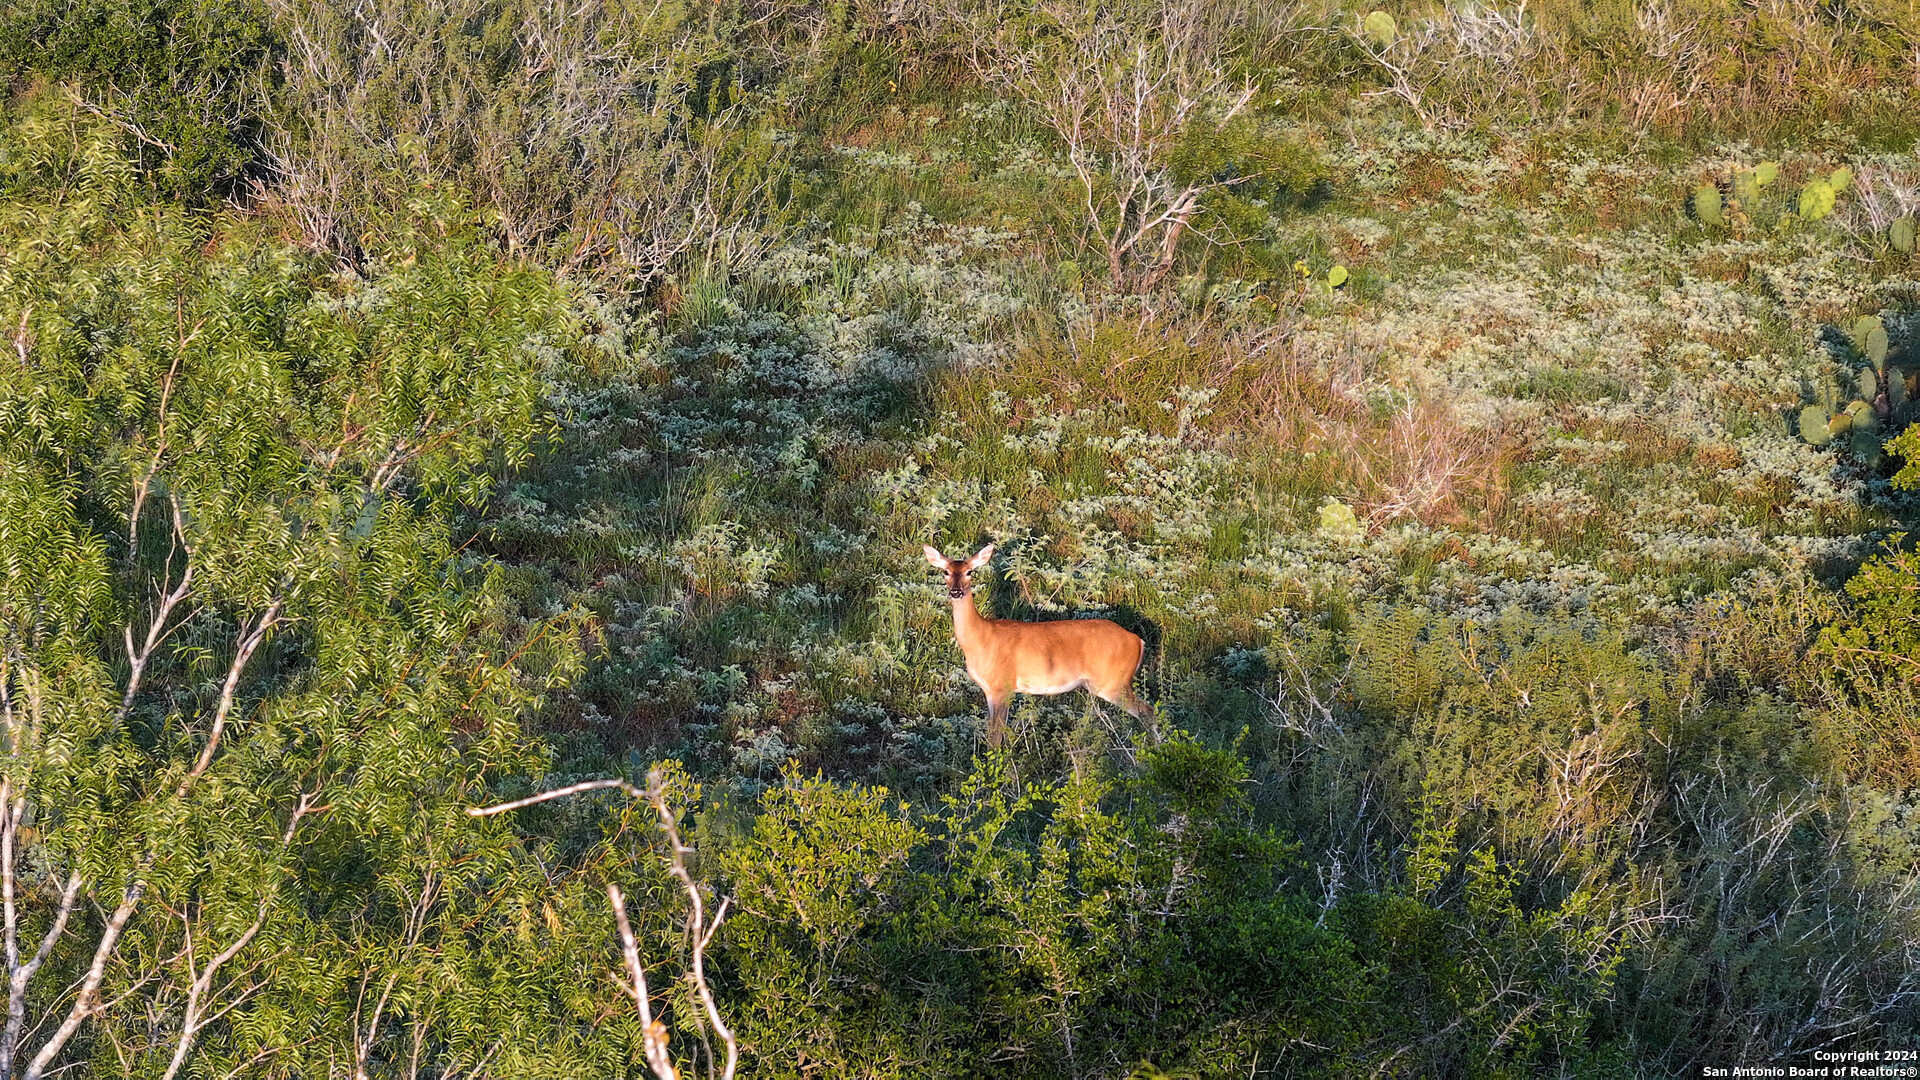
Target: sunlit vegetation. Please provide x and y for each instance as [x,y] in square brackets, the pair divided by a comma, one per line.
[1498,422]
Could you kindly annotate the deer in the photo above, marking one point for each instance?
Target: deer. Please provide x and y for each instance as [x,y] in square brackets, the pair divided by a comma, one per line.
[1008,657]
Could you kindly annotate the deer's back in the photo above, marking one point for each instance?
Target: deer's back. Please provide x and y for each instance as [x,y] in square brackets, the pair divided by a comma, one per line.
[1053,657]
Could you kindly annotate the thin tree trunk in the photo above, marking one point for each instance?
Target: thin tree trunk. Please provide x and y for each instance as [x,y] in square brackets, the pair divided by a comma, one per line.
[83,1004]
[19,974]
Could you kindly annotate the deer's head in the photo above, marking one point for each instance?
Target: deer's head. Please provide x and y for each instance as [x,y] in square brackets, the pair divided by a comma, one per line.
[959,571]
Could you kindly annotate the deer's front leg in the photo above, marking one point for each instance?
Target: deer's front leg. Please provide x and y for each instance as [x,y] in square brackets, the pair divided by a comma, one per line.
[997,710]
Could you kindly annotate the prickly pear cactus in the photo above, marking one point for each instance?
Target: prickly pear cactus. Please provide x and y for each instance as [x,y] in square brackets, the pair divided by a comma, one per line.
[1866,444]
[1816,200]
[1766,173]
[1862,326]
[1839,179]
[1338,521]
[1706,206]
[1867,384]
[1862,414]
[1900,235]
[1381,28]
[1896,387]
[1813,425]
[1746,188]
[1875,346]
[1841,423]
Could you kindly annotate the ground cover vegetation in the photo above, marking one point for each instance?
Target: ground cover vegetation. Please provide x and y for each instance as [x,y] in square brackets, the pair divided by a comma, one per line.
[1497,420]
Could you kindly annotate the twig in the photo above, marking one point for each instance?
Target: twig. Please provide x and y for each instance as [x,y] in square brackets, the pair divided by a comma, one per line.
[702,933]
[136,130]
[192,1021]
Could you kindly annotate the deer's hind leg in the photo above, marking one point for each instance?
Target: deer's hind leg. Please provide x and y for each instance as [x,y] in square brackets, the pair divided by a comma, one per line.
[1124,697]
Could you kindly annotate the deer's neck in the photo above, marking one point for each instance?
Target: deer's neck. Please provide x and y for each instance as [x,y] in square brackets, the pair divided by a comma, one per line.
[968,625]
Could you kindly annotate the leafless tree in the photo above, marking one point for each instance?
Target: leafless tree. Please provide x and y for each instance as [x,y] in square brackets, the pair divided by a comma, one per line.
[1122,86]
[583,133]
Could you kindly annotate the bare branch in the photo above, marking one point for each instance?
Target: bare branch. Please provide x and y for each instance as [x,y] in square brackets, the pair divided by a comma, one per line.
[83,1003]
[556,793]
[194,1019]
[157,631]
[652,1032]
[696,916]
[23,337]
[250,640]
[700,931]
[19,974]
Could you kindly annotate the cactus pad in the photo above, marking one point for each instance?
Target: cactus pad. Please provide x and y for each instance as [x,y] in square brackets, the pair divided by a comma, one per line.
[1866,444]
[1766,173]
[1816,200]
[1875,346]
[1900,235]
[1706,205]
[1896,387]
[1868,384]
[1840,178]
[1382,29]
[1813,425]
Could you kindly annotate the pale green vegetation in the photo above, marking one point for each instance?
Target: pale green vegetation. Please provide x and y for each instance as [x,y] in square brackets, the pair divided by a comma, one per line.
[1498,421]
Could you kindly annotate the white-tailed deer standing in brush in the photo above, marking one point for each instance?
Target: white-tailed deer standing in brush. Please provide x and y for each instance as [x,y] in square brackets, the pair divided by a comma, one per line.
[1007,657]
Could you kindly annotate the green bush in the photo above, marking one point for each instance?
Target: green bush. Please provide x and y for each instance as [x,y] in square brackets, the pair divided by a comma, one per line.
[190,80]
[1872,658]
[1041,930]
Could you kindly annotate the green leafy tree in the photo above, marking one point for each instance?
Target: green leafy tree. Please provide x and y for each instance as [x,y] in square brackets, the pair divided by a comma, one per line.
[247,682]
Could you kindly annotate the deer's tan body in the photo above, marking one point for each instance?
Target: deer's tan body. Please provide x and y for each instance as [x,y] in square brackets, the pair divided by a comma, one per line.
[1006,657]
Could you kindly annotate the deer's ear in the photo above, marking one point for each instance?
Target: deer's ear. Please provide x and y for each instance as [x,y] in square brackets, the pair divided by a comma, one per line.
[980,558]
[938,560]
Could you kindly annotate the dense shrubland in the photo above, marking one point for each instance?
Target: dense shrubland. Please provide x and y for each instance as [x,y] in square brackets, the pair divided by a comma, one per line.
[1496,420]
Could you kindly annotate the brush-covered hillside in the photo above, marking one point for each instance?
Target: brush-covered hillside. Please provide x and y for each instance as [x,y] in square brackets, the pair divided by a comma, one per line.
[465,465]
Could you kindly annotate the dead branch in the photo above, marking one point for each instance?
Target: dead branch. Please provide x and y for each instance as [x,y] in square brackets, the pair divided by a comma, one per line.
[700,930]
[652,1032]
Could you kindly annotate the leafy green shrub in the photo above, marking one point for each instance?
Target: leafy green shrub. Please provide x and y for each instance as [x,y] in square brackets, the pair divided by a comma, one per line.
[1874,673]
[191,80]
[1547,745]
[1492,989]
[1063,927]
